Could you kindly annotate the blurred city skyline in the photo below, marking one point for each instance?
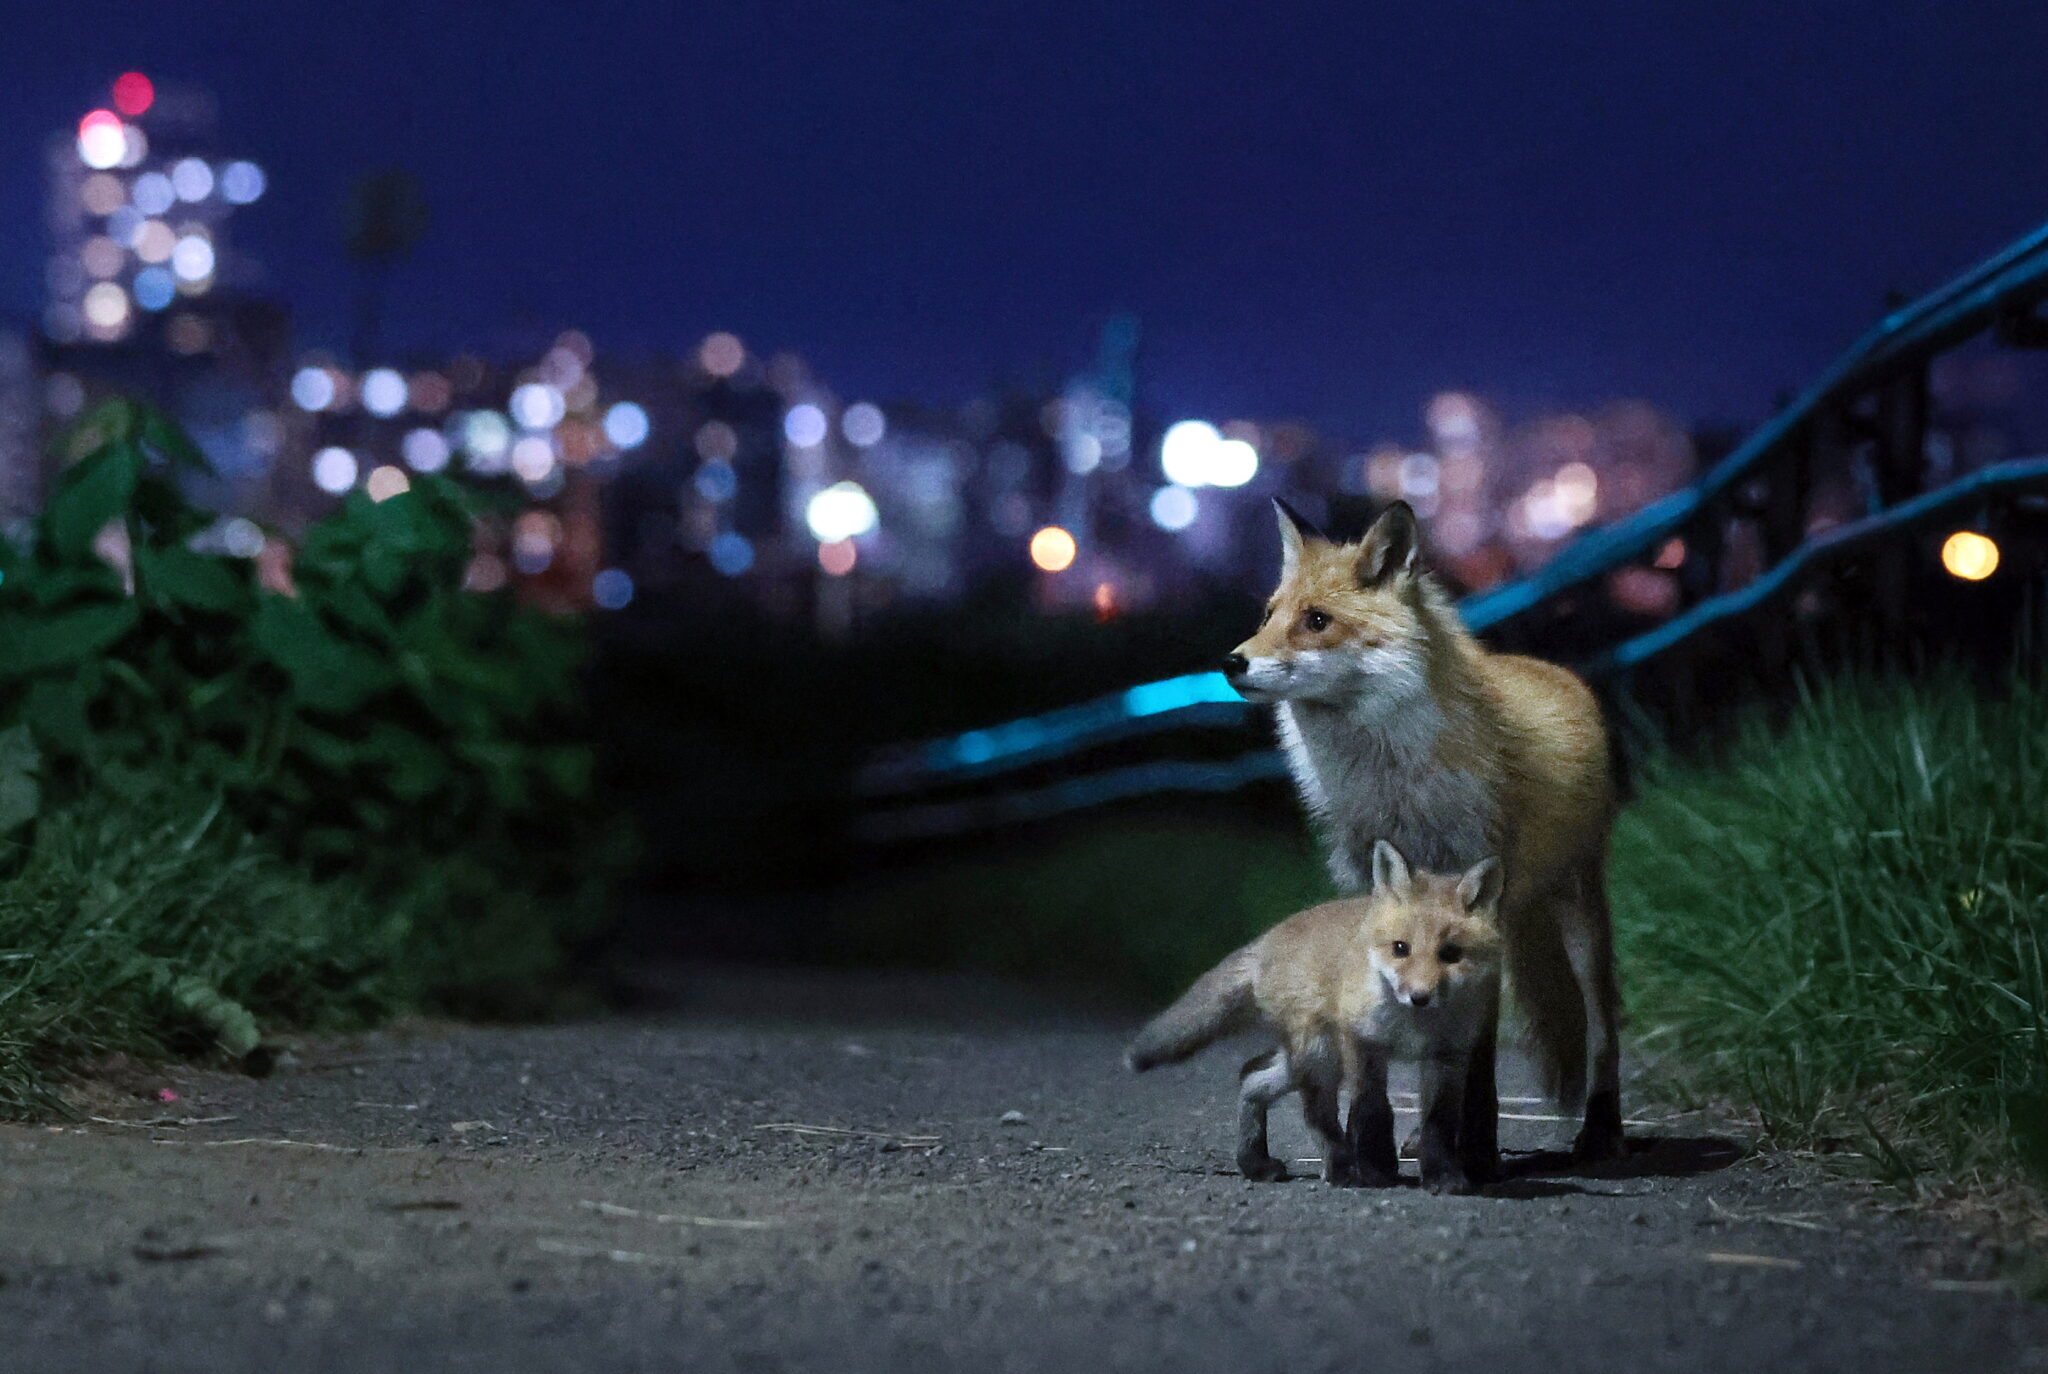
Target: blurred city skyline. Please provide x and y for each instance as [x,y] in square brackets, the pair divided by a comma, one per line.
[1325,218]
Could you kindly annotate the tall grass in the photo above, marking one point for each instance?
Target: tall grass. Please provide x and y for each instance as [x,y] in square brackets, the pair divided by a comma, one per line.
[1839,921]
[144,919]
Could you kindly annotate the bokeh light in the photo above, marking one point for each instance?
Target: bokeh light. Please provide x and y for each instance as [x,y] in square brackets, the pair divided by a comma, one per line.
[152,193]
[722,354]
[843,510]
[313,388]
[805,425]
[103,193]
[192,179]
[717,440]
[383,392]
[425,450]
[134,93]
[1184,452]
[863,424]
[838,557]
[386,482]
[1174,508]
[192,259]
[626,425]
[102,140]
[101,257]
[154,241]
[334,470]
[154,288]
[1053,549]
[1969,555]
[106,307]
[716,481]
[731,554]
[486,438]
[612,589]
[538,405]
[533,458]
[241,183]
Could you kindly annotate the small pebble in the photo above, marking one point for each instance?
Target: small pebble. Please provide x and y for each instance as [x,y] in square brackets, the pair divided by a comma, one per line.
[1013,1117]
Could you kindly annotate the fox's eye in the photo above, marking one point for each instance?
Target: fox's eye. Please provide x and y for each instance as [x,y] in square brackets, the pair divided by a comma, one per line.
[1315,622]
[1265,616]
[1450,954]
[1400,949]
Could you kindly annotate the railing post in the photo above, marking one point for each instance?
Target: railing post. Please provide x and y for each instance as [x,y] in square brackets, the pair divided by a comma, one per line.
[1899,467]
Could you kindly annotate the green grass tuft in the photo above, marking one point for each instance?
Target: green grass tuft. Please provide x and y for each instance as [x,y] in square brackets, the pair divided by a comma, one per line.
[145,920]
[1839,923]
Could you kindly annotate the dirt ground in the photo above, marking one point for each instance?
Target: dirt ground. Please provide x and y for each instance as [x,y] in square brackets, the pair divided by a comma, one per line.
[793,1172]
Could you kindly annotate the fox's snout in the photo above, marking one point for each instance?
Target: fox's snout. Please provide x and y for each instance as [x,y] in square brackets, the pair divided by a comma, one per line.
[1235,666]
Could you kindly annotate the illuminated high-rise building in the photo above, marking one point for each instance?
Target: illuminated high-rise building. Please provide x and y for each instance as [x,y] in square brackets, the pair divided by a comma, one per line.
[141,202]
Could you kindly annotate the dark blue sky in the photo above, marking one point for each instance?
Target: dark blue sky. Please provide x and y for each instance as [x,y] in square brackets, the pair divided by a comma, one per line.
[1323,210]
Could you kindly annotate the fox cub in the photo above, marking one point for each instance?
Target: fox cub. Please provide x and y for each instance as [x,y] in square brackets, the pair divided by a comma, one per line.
[1412,970]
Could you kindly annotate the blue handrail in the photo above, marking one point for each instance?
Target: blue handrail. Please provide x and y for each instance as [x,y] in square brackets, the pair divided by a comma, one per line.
[2014,276]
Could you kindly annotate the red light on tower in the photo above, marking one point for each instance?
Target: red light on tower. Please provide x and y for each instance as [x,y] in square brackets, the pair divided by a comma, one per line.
[133,93]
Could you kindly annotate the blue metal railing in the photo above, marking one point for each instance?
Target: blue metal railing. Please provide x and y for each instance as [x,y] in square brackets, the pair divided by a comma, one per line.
[2015,277]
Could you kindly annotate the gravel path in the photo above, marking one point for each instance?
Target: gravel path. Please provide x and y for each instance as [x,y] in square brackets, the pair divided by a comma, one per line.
[787,1172]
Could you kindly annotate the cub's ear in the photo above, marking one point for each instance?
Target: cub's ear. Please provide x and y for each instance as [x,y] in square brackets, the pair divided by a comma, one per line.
[1389,870]
[1388,550]
[1294,533]
[1480,888]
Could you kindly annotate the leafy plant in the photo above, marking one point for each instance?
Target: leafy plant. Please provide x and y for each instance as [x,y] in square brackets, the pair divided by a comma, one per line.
[379,728]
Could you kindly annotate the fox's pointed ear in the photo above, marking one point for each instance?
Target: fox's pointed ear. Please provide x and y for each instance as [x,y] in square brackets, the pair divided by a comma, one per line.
[1294,533]
[1389,870]
[1480,888]
[1389,547]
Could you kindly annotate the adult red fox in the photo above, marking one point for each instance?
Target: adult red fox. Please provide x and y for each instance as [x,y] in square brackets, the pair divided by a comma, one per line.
[1399,725]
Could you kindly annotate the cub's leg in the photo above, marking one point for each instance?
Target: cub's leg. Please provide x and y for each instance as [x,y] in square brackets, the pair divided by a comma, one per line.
[1588,930]
[1372,1120]
[1264,1079]
[1319,1071]
[1443,1110]
[1479,1123]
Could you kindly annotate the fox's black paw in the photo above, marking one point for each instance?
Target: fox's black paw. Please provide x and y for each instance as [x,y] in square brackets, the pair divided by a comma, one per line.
[1454,1182]
[1265,1169]
[1600,1139]
[1371,1177]
[1481,1169]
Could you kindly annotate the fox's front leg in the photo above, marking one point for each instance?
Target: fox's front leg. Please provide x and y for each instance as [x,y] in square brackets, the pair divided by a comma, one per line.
[1320,1073]
[1443,1109]
[1264,1079]
[1479,1122]
[1371,1127]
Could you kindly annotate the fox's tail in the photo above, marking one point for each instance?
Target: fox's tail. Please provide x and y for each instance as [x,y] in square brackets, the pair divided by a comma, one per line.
[1219,1004]
[1542,985]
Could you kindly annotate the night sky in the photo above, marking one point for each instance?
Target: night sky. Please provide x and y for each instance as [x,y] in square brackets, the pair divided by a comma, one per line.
[1323,211]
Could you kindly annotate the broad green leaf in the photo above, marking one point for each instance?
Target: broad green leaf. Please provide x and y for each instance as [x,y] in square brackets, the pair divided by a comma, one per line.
[327,673]
[93,491]
[184,578]
[30,644]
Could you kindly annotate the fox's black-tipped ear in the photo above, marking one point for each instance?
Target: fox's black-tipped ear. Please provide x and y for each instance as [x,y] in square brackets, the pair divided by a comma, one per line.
[1294,532]
[1389,547]
[1293,535]
[1480,888]
[1389,870]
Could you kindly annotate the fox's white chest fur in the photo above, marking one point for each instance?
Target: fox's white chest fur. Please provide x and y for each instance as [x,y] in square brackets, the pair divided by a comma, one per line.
[1368,771]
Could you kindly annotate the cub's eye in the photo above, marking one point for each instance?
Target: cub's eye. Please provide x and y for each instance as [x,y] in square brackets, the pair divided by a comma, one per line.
[1315,622]
[1400,949]
[1265,616]
[1450,954]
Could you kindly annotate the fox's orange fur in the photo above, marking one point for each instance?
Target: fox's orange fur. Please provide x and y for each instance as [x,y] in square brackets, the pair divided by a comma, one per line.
[1398,724]
[1413,969]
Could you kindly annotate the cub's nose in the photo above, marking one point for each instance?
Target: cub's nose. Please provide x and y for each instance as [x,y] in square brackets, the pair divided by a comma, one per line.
[1418,998]
[1236,665]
